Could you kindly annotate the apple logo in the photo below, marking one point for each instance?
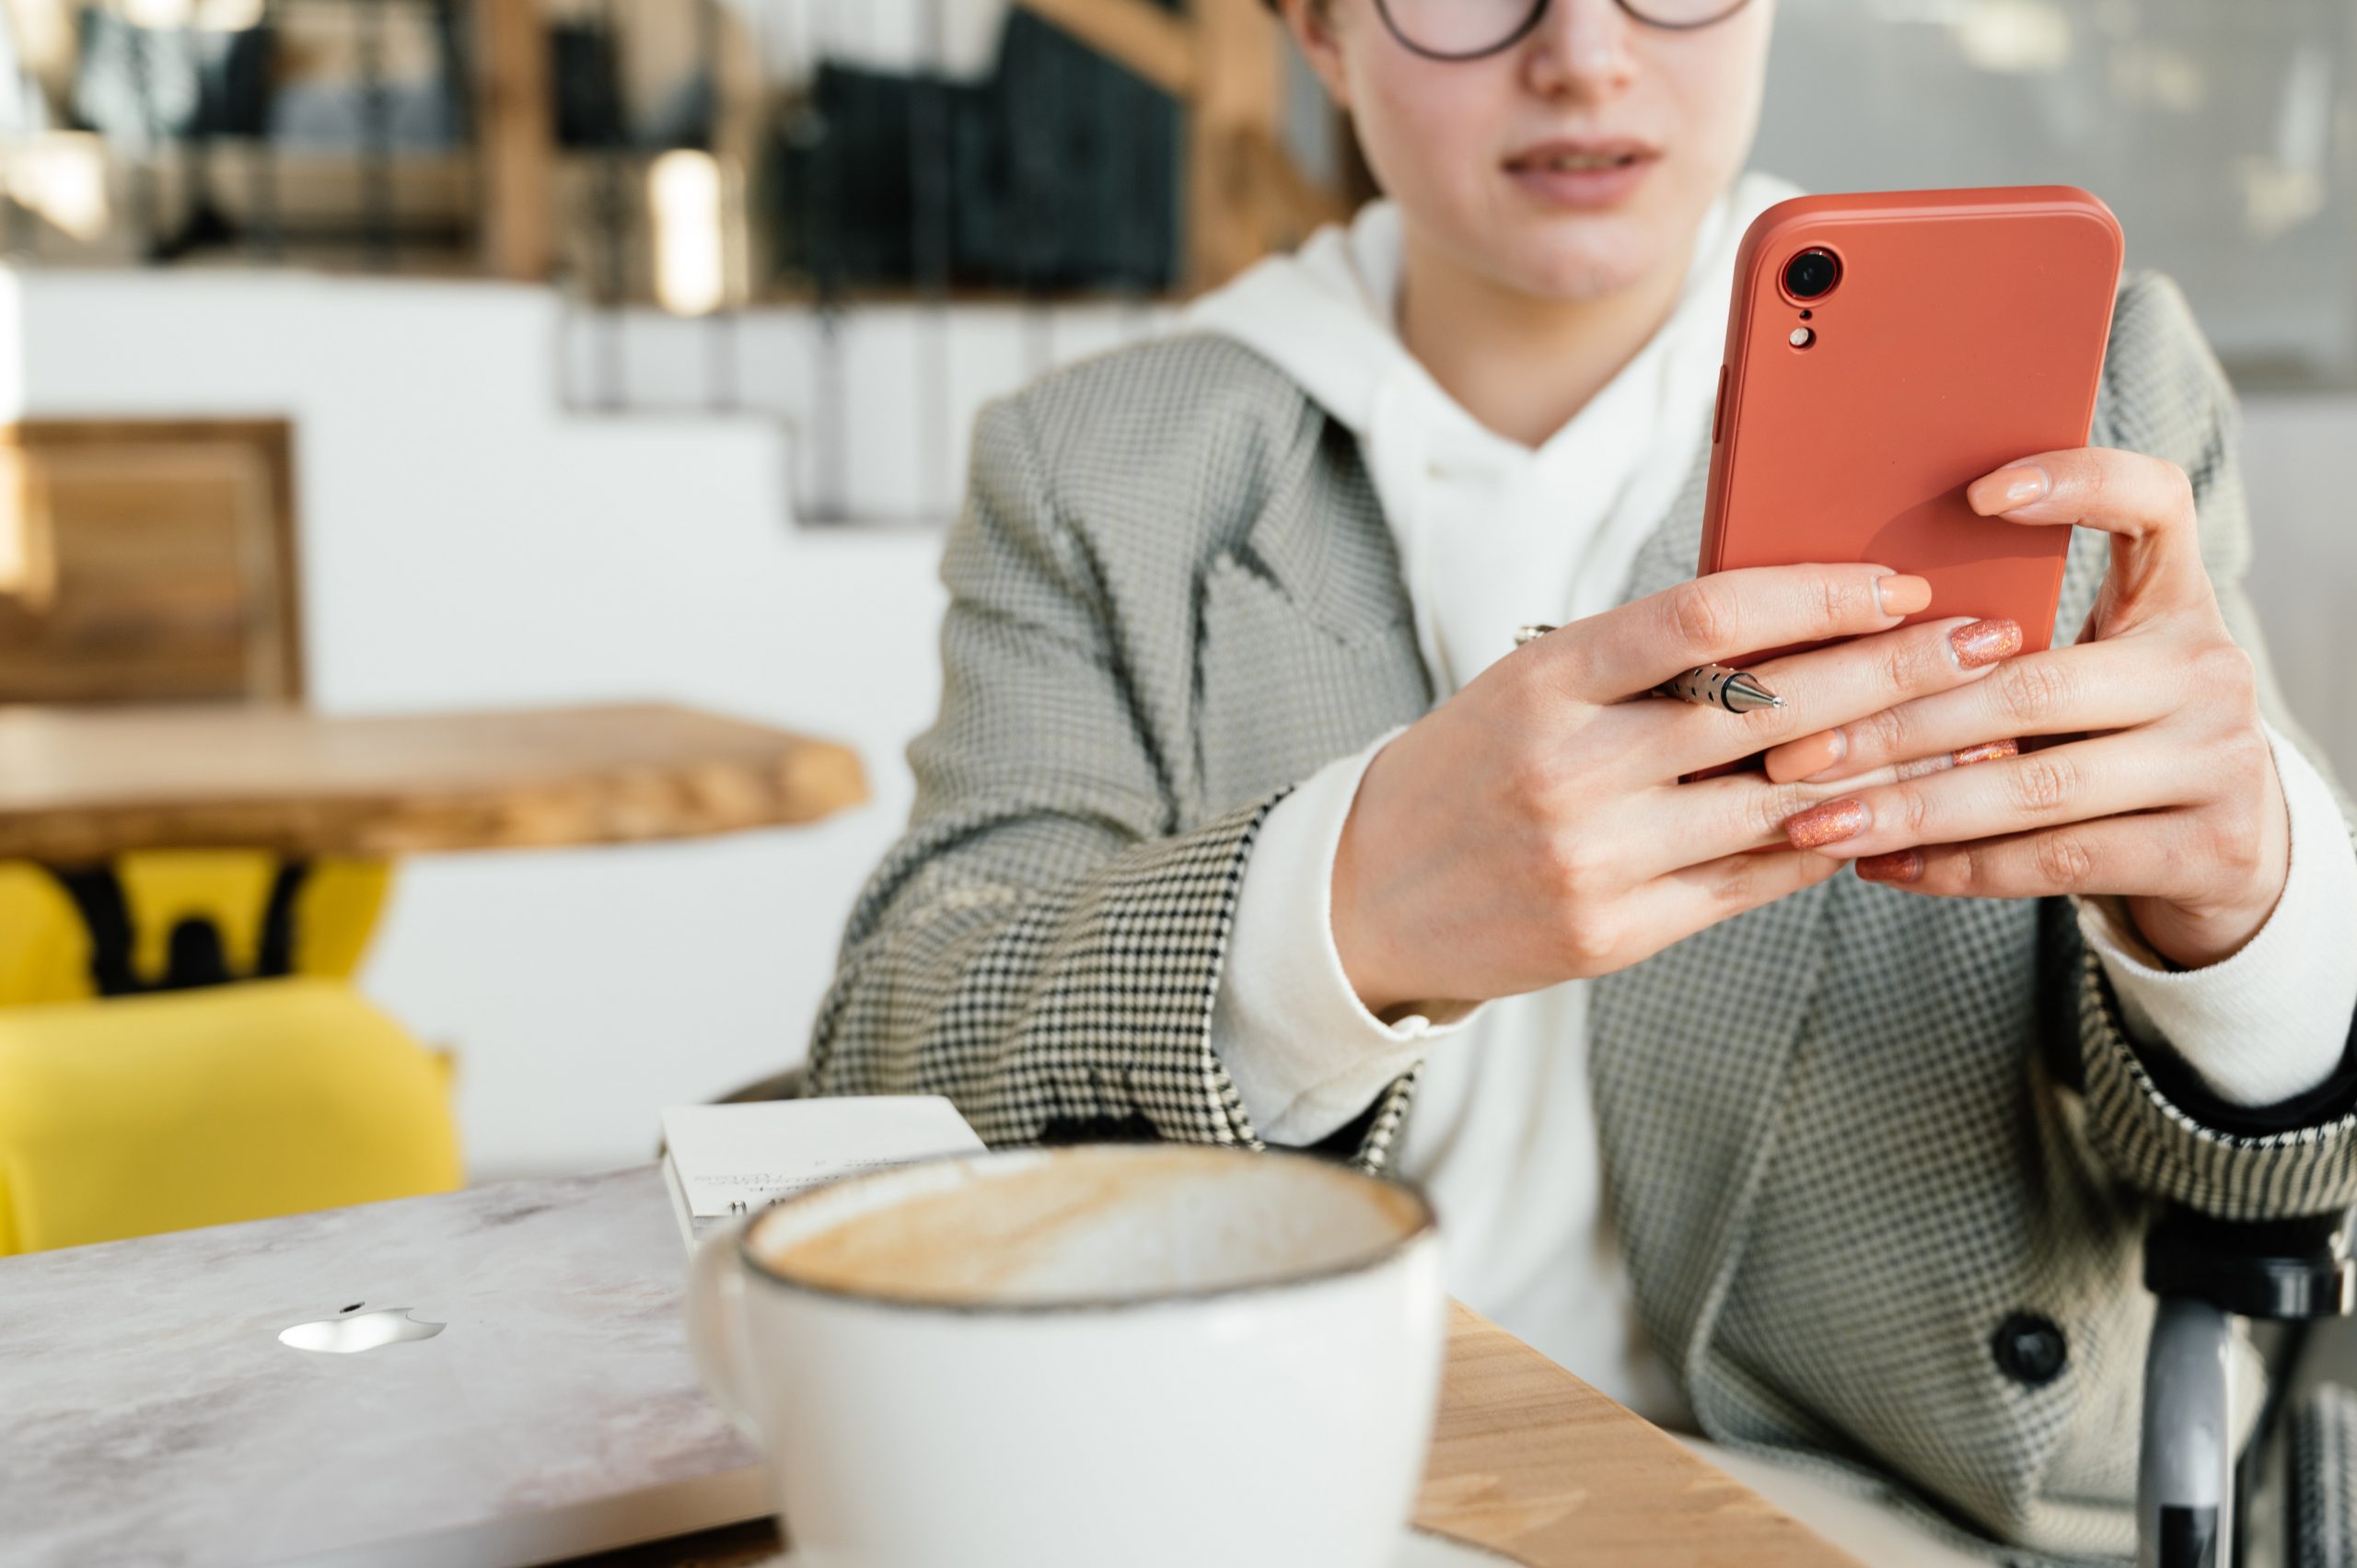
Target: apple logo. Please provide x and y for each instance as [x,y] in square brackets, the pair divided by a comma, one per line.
[345,1334]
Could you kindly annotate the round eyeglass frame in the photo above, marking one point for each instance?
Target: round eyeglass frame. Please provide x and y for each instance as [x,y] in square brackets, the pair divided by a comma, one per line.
[1537,12]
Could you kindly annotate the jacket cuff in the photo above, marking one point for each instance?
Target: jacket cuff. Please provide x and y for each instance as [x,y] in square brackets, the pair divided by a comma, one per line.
[2153,1119]
[1117,1030]
[1117,1043]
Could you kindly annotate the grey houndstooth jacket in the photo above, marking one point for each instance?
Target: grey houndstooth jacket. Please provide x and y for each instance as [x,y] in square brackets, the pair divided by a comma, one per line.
[1856,1141]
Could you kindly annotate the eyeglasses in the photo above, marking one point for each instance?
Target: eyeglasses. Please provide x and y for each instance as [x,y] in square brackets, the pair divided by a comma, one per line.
[1468,30]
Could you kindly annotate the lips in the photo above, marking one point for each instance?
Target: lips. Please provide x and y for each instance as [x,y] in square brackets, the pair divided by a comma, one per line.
[1584,173]
[1565,157]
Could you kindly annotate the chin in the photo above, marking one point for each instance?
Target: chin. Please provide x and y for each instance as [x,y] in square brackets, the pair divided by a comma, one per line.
[1599,259]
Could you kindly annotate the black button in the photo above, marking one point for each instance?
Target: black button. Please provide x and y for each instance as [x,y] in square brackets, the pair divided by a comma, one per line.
[2030,1348]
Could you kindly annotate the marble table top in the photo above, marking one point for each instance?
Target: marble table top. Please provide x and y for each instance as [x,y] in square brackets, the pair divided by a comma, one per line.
[149,1413]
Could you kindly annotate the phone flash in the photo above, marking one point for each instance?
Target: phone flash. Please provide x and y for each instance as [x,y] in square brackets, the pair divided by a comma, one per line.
[1802,337]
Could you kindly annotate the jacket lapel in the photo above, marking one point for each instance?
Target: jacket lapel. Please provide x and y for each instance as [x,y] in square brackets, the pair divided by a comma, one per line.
[1321,540]
[1688,1052]
[1306,646]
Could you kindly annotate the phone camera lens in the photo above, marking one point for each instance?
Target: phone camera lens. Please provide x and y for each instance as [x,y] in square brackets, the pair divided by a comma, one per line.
[1811,275]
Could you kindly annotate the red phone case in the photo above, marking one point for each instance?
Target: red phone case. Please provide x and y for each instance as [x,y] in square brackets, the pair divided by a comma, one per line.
[1965,328]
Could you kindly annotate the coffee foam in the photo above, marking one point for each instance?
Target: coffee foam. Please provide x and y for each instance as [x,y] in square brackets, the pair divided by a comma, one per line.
[1086,1224]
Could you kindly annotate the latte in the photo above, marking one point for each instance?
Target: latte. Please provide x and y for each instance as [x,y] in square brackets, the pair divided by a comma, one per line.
[1103,1224]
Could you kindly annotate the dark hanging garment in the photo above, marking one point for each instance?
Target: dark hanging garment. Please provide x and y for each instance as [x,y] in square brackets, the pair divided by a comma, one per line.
[1062,174]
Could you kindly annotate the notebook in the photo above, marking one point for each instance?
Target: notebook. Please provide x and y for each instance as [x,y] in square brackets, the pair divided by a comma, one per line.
[722,1162]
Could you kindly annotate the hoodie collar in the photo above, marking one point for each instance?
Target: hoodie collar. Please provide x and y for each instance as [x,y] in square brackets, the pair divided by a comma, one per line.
[1327,316]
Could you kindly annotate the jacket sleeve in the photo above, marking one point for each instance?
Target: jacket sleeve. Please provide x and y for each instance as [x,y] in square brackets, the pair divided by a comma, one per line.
[2147,1113]
[1042,947]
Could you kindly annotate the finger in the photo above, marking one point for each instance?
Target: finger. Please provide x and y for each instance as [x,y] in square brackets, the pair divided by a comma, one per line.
[1738,813]
[1672,907]
[1837,685]
[2074,691]
[2150,854]
[1724,616]
[2144,503]
[2075,783]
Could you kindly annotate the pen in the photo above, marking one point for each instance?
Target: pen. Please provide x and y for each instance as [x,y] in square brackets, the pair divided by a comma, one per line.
[1710,685]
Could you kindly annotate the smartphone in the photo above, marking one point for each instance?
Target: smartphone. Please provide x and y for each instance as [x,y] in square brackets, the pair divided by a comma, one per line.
[1884,349]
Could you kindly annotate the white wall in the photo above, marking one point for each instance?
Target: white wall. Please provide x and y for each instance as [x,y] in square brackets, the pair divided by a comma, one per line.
[2300,465]
[465,543]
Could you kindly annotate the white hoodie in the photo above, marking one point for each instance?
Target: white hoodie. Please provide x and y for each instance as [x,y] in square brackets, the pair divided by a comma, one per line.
[1492,535]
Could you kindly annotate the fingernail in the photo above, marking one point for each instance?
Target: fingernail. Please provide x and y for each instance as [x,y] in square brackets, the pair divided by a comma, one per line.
[1899,866]
[2009,488]
[1985,642]
[1987,752]
[1900,595]
[1827,822]
[1808,756]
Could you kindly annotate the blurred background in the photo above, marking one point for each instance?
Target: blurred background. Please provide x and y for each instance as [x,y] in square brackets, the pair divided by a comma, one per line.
[443,355]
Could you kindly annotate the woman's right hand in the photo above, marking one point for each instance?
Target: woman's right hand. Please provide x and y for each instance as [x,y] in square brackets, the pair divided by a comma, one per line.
[1531,830]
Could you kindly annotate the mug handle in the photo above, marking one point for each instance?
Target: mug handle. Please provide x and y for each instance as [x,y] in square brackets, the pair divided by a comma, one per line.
[716,1324]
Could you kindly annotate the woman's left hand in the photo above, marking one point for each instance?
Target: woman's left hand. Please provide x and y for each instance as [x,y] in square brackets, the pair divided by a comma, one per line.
[2157,781]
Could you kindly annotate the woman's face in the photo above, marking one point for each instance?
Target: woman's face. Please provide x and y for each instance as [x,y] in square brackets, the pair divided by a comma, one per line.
[1484,157]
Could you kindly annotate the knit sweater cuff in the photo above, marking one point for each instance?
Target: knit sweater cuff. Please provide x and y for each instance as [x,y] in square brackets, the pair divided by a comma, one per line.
[1303,1050]
[2270,1021]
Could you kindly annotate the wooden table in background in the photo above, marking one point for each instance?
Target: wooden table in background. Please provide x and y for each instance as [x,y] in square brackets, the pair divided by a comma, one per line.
[1526,1459]
[81,785]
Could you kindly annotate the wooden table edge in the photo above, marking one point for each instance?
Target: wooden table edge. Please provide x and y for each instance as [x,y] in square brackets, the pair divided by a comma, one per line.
[807,779]
[1532,1463]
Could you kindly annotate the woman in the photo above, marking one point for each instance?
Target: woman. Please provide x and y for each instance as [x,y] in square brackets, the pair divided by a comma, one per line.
[1243,821]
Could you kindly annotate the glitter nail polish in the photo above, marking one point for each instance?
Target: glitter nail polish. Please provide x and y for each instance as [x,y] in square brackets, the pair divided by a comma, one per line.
[1827,822]
[1985,642]
[1987,752]
[1899,866]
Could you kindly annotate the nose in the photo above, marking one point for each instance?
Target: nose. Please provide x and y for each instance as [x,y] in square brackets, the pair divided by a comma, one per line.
[1581,47]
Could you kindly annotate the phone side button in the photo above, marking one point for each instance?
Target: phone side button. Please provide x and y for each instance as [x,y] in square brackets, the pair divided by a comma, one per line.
[1719,407]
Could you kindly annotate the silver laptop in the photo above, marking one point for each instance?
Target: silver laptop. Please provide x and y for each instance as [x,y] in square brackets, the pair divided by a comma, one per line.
[481,1379]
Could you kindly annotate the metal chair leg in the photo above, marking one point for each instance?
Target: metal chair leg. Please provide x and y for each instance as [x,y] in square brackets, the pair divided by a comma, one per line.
[2185,1483]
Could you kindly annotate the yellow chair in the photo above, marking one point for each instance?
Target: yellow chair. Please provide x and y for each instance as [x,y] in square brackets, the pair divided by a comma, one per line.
[150,1113]
[45,946]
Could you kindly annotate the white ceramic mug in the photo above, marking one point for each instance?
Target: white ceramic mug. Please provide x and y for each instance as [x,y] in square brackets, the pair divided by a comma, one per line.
[1156,1355]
